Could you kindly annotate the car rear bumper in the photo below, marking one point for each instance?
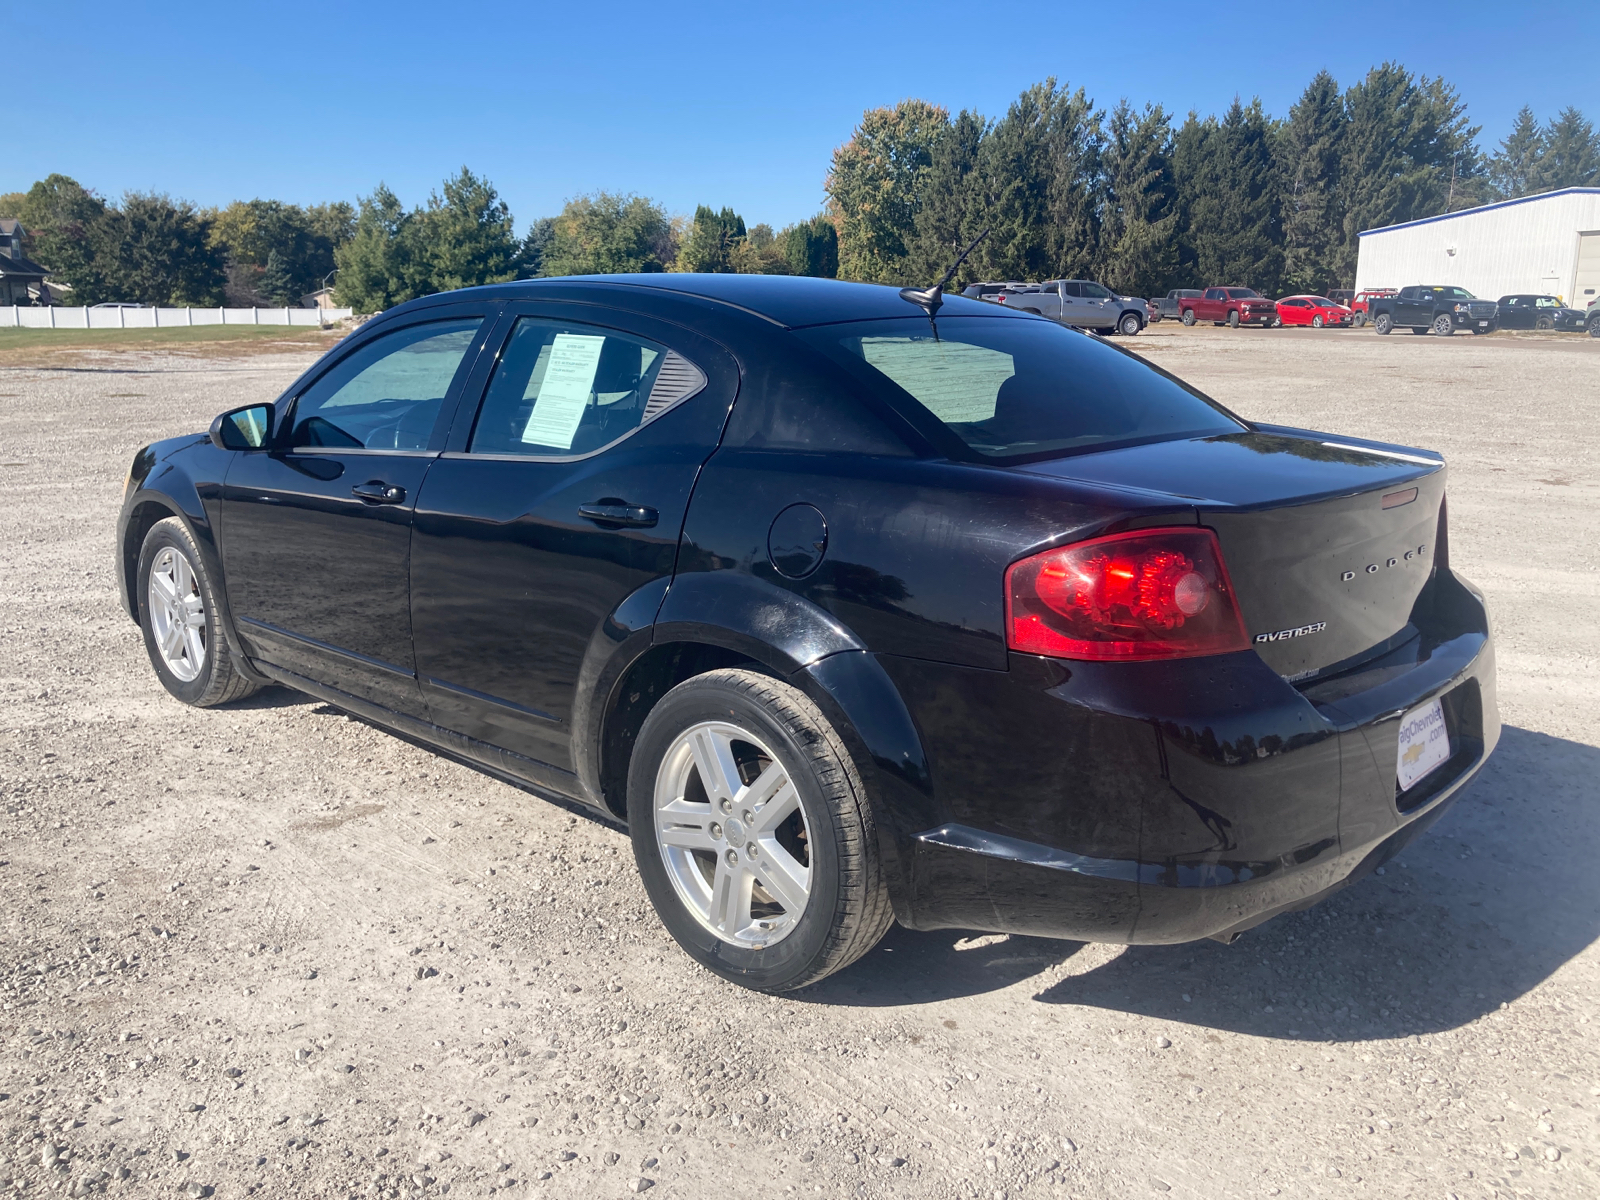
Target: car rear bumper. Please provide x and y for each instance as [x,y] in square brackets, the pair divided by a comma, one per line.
[1166,802]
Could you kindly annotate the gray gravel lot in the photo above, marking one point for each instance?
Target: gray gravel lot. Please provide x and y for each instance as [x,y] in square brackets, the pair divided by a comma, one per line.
[273,950]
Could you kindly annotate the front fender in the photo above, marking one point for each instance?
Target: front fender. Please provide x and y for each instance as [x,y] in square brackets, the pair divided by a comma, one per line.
[179,478]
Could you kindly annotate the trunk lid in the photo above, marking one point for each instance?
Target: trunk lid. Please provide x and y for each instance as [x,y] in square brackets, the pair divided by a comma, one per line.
[1326,545]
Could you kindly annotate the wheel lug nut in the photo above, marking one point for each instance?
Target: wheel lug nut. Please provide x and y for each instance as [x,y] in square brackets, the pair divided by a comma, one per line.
[751,849]
[716,830]
[733,858]
[726,805]
[746,817]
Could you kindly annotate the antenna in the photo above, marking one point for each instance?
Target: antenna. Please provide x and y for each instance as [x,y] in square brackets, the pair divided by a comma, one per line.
[930,299]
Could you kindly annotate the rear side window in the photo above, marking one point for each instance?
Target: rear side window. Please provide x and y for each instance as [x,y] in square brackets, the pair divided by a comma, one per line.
[386,394]
[1010,389]
[1215,294]
[562,390]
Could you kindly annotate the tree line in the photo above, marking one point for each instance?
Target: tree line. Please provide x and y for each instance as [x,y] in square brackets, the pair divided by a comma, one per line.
[1063,187]
[1147,204]
[151,249]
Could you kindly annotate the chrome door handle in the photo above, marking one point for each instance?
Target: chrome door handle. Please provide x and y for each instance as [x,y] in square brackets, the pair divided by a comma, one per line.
[376,491]
[633,516]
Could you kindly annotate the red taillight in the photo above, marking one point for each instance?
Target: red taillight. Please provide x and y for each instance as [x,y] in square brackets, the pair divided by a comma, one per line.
[1154,593]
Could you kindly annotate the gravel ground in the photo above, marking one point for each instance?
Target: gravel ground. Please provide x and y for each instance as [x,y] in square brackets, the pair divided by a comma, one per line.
[273,950]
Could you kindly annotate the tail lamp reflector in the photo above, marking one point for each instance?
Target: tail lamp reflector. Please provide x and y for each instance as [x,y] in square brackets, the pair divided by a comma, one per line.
[1153,593]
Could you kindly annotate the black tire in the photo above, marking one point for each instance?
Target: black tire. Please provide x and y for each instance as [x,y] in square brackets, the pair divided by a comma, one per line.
[1543,324]
[1233,319]
[1594,327]
[1130,324]
[1188,316]
[217,681]
[848,911]
[1443,326]
[1359,320]
[1317,322]
[1384,323]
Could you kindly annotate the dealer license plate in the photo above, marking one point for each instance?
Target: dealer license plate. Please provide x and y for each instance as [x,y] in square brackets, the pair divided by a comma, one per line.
[1424,744]
[1484,324]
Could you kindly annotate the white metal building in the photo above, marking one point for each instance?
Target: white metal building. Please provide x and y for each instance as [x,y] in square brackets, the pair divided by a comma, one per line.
[1548,243]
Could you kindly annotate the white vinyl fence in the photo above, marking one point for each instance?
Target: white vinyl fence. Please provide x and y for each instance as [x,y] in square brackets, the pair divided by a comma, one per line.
[61,317]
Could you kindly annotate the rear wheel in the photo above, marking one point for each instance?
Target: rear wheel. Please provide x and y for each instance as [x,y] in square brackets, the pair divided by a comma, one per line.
[178,611]
[1130,324]
[1384,323]
[1188,316]
[753,833]
[1233,319]
[1443,325]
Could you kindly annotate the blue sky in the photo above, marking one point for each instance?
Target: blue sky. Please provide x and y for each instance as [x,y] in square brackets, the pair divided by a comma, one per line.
[687,104]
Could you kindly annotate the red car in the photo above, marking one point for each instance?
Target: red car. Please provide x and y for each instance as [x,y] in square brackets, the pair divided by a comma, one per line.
[1358,306]
[1316,311]
[1234,306]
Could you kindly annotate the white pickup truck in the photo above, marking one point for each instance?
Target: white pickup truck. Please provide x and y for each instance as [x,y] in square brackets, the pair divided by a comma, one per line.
[1081,303]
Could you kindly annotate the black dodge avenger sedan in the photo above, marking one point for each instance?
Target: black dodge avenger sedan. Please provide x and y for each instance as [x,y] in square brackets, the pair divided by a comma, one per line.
[854,606]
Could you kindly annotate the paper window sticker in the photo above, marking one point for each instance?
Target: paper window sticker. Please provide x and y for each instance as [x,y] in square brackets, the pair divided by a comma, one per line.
[564,392]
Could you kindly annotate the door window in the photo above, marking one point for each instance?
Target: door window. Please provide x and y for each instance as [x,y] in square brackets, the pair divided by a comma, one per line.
[1215,294]
[387,394]
[1070,289]
[563,390]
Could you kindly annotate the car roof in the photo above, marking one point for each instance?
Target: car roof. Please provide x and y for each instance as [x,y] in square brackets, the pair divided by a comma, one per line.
[788,300]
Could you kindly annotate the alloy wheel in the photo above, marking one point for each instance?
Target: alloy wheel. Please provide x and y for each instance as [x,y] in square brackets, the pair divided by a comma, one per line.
[177,614]
[733,835]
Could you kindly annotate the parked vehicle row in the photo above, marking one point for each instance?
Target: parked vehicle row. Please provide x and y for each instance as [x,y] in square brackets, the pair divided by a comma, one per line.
[1424,308]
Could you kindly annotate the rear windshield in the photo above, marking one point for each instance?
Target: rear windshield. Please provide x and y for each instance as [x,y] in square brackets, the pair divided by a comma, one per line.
[1010,389]
[1243,294]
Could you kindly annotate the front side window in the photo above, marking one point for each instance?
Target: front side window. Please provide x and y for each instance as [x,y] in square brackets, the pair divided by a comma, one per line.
[1012,389]
[562,390]
[1547,302]
[386,395]
[1453,293]
[1096,291]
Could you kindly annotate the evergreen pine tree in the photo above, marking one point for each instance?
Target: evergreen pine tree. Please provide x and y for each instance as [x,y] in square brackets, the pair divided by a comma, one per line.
[712,240]
[373,266]
[1571,155]
[1515,165]
[1139,234]
[954,207]
[1230,187]
[812,248]
[1310,151]
[275,283]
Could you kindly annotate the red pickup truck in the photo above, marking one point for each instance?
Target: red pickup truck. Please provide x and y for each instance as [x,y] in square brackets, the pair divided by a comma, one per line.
[1231,306]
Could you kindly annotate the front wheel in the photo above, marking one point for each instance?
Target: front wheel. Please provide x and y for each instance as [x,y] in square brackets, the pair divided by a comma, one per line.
[1188,316]
[1233,319]
[1316,321]
[753,832]
[1130,324]
[1359,320]
[178,611]
[1594,328]
[1384,323]
[1443,325]
[1544,324]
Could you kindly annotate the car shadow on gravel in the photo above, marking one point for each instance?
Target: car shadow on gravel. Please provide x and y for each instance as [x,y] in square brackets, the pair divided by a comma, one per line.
[1478,911]
[909,967]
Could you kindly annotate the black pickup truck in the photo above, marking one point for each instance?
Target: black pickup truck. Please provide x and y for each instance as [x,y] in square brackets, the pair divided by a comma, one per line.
[1441,309]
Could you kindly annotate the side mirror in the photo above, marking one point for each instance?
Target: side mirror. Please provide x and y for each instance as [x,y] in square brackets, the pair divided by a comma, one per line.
[243,428]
